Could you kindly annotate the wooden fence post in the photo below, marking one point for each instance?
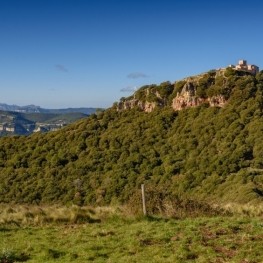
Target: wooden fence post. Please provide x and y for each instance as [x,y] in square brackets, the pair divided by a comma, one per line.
[143,201]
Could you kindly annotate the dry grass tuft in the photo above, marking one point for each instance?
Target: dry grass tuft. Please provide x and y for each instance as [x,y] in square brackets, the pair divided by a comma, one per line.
[39,215]
[251,210]
[158,203]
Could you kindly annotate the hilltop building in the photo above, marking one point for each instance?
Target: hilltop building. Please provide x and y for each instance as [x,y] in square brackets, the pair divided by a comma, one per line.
[243,66]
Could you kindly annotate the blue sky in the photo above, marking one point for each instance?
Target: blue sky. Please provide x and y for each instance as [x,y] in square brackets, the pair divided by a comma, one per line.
[77,53]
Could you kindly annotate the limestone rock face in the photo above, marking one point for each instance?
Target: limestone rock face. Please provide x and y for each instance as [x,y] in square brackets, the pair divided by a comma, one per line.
[187,98]
[149,106]
[127,104]
[217,101]
[130,104]
[149,99]
[188,89]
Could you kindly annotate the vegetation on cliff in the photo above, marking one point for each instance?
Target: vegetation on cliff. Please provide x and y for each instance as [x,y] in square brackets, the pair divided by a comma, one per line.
[211,153]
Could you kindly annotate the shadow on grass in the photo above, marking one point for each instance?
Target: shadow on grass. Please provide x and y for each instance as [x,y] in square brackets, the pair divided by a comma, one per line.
[150,218]
[54,254]
[11,257]
[4,229]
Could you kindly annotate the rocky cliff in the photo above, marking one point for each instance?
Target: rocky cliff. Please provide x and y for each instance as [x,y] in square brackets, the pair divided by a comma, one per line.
[190,92]
[146,99]
[188,98]
[132,103]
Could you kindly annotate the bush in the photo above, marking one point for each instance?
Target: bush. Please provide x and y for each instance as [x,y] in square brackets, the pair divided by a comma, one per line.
[159,202]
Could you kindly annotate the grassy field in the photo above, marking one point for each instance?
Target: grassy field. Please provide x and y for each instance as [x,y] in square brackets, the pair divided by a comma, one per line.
[34,234]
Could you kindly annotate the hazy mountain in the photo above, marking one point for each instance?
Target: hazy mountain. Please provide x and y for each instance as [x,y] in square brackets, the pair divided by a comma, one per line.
[38,109]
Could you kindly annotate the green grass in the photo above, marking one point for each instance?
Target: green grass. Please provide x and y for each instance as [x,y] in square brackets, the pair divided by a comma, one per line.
[114,237]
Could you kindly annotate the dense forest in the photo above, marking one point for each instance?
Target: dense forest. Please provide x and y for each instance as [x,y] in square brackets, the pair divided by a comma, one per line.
[210,153]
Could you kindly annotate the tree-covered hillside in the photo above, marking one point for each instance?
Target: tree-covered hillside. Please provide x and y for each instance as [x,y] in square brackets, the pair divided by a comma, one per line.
[213,153]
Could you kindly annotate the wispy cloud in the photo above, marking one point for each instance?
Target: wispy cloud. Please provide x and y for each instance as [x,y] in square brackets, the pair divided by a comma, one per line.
[128,89]
[61,68]
[136,75]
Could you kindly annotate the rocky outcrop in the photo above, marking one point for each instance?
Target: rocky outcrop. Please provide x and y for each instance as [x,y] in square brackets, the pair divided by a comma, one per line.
[217,101]
[185,101]
[130,104]
[149,106]
[187,98]
[146,104]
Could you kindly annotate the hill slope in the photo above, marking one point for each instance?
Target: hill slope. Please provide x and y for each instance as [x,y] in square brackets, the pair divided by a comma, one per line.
[207,150]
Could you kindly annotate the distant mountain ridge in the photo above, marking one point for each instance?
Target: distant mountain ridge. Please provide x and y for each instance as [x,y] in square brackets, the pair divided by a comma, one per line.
[25,123]
[37,109]
[24,120]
